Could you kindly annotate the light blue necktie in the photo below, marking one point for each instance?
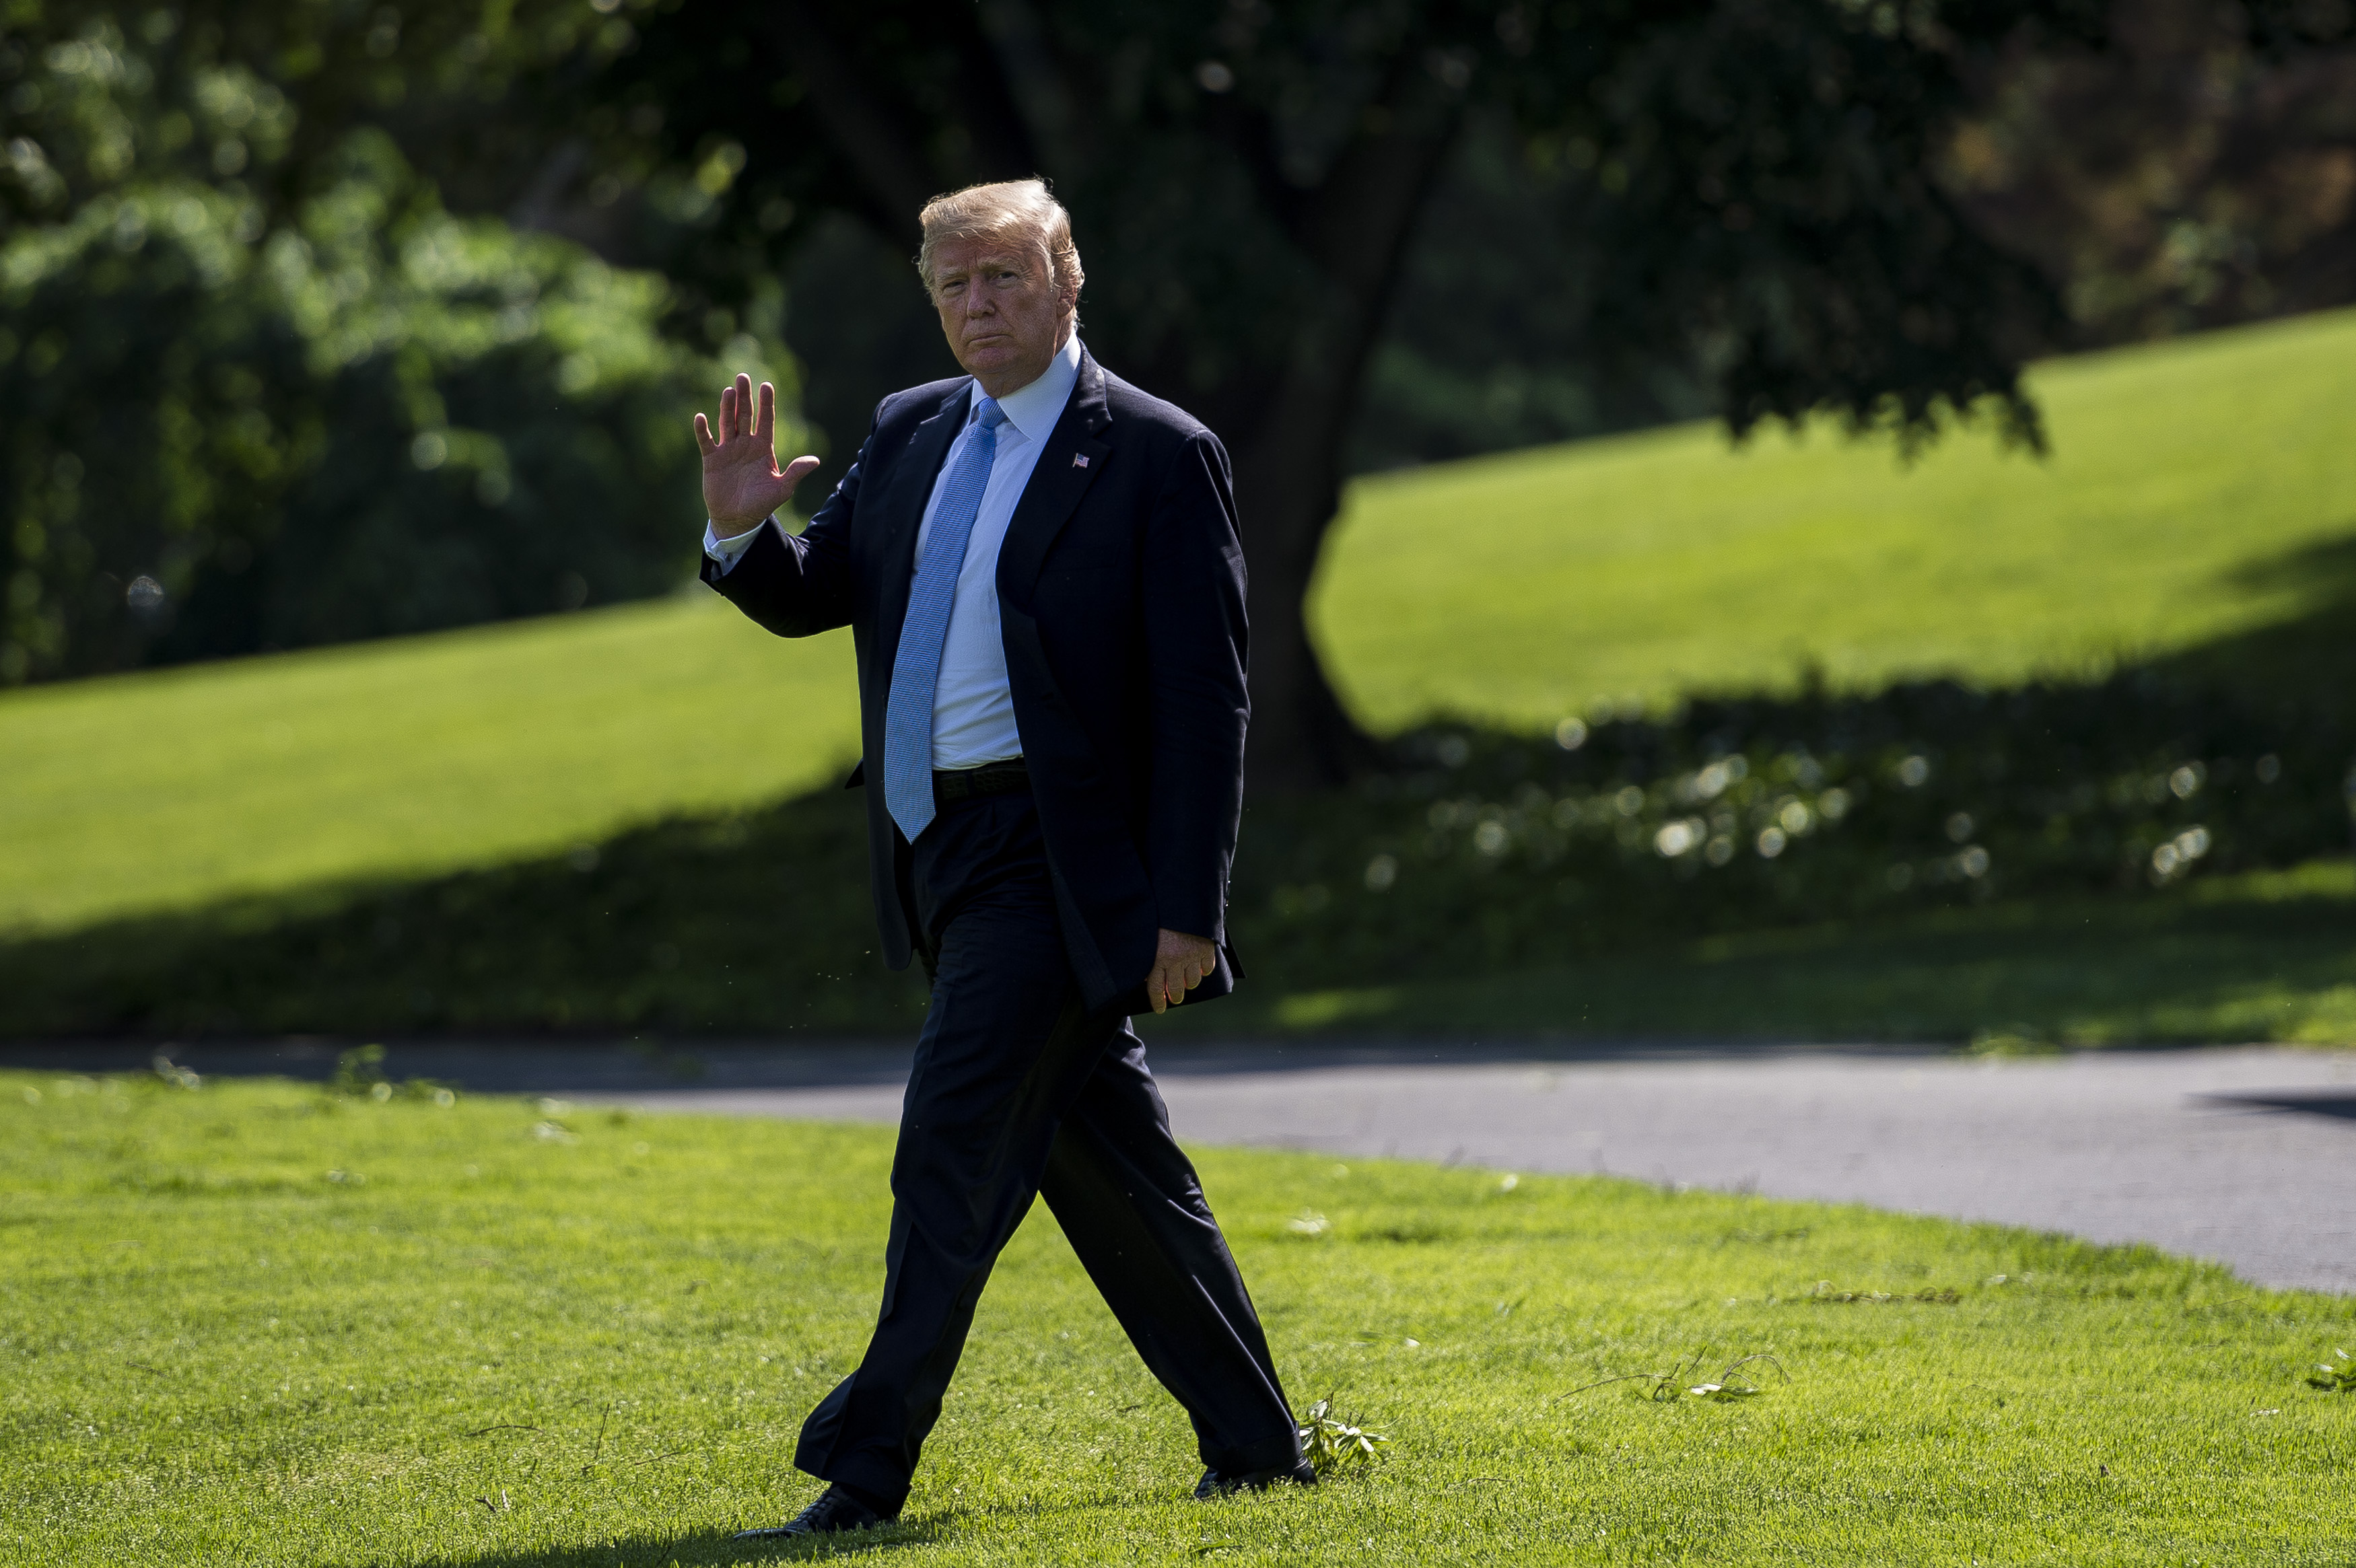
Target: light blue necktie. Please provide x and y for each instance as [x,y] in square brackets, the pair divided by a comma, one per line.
[916,668]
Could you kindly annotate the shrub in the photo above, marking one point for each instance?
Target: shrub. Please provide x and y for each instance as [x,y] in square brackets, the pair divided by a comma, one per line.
[1481,852]
[1485,851]
[253,401]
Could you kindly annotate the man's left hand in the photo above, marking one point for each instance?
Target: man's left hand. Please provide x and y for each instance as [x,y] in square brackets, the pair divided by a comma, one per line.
[1178,967]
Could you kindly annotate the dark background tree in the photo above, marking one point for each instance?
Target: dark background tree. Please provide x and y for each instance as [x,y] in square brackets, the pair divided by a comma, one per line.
[1247,181]
[2198,171]
[260,388]
[1347,234]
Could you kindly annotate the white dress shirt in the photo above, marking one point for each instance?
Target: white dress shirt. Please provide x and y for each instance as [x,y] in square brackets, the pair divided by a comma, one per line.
[973,710]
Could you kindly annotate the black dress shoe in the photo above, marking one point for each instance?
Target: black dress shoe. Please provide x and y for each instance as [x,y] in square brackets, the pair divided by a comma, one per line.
[835,1510]
[1214,1484]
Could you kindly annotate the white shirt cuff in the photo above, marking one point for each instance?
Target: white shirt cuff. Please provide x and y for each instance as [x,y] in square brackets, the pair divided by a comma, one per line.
[729,550]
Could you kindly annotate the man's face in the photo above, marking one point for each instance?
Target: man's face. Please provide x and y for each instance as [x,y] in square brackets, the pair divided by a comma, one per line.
[1001,310]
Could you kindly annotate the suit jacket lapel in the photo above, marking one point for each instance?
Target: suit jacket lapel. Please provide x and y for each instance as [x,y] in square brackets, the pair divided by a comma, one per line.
[1069,464]
[901,513]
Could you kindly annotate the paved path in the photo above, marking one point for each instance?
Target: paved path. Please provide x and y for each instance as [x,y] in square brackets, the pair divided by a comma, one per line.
[2247,1157]
[2244,1155]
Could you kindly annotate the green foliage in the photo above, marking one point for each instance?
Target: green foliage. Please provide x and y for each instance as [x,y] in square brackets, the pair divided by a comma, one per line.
[1336,1448]
[235,415]
[1504,334]
[263,1326]
[1757,173]
[358,1070]
[168,1072]
[2335,1376]
[2165,179]
[1484,854]
[1733,1384]
[1480,851]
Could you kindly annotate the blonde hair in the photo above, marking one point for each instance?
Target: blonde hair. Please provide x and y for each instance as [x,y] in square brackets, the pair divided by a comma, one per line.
[1006,207]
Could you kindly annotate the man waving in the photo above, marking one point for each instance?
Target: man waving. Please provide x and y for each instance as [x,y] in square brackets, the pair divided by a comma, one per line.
[1039,568]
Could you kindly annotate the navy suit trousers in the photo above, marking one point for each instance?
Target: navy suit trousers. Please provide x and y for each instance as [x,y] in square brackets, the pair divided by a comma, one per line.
[1018,1091]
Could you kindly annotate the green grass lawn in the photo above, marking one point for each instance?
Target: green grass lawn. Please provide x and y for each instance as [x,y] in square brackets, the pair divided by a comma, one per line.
[176,789]
[2266,955]
[2201,495]
[256,1325]
[2199,492]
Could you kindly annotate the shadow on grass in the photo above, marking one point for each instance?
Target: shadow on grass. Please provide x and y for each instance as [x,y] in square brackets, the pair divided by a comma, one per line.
[719,1546]
[757,924]
[703,1546]
[2310,656]
[762,913]
[2264,957]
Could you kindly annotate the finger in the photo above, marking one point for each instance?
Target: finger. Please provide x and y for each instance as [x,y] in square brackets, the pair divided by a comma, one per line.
[744,403]
[764,423]
[1194,973]
[1154,990]
[703,437]
[727,413]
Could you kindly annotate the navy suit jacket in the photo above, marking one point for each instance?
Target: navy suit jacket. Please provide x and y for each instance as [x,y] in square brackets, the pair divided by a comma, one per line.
[1120,593]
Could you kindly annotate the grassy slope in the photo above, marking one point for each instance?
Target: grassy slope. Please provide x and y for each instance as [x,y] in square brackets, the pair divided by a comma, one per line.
[2185,478]
[176,789]
[2187,485]
[480,1344]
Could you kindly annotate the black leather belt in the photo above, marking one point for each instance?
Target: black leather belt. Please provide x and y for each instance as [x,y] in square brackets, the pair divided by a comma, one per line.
[1008,778]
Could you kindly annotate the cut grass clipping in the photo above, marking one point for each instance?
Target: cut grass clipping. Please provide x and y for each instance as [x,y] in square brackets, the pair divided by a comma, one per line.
[255,1324]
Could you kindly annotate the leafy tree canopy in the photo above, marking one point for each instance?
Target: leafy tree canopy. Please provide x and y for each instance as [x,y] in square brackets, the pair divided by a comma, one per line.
[1758,196]
[258,388]
[1247,178]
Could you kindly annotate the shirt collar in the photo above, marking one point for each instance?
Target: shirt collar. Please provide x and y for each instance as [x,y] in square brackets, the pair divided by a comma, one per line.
[1034,409]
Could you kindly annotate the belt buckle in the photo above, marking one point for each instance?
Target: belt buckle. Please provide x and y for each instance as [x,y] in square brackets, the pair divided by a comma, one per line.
[1003,777]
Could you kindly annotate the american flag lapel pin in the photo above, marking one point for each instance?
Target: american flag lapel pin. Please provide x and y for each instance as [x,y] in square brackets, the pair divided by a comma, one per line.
[1079,460]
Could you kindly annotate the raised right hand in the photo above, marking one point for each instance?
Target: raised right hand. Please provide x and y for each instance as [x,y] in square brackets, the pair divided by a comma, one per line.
[742,481]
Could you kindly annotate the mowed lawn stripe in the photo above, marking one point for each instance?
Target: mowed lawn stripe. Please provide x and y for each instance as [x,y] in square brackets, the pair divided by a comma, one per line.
[255,1325]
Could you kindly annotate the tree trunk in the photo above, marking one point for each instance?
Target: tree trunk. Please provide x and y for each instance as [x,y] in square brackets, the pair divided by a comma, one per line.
[1351,227]
[1288,490]
[1288,472]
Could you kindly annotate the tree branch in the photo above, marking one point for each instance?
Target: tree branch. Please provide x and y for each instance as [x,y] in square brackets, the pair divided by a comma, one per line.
[891,167]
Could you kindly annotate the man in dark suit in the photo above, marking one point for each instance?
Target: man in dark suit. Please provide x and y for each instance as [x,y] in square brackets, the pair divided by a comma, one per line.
[1039,568]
